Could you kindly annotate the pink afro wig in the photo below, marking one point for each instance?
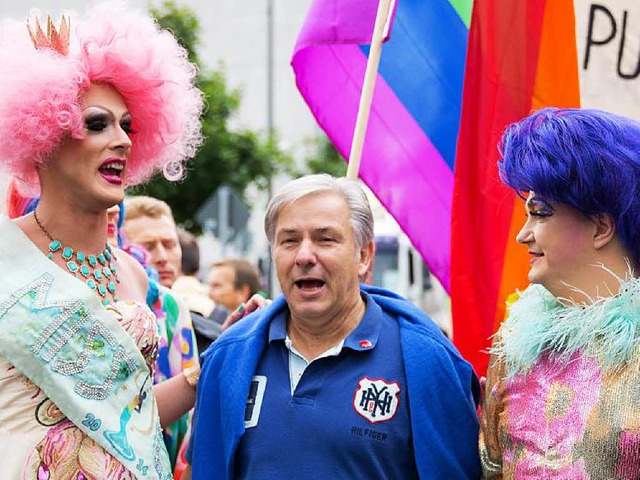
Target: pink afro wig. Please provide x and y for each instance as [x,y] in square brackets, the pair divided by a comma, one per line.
[40,92]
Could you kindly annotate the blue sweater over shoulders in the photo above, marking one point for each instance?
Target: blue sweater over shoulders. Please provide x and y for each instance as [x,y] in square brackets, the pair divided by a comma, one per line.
[442,391]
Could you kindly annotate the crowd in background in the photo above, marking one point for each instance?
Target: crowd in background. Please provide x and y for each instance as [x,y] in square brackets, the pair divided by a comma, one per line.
[117,361]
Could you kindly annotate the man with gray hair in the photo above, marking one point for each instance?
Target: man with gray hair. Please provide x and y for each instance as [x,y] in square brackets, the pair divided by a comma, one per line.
[333,379]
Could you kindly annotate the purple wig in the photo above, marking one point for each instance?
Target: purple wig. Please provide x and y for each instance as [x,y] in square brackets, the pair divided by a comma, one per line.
[587,159]
[40,91]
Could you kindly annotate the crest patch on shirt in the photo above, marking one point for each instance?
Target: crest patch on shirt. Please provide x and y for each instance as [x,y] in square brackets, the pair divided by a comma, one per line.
[254,401]
[376,400]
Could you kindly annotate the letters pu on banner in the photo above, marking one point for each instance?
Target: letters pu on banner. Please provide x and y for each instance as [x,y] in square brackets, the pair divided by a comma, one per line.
[608,41]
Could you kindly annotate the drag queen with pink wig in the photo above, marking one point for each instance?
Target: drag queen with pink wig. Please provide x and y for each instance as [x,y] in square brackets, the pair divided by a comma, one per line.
[88,106]
[562,397]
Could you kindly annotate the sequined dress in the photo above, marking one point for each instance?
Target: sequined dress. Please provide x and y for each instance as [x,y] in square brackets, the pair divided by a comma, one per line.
[562,399]
[38,442]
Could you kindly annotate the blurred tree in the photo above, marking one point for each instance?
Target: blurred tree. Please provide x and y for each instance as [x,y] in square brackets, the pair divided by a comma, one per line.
[235,158]
[324,159]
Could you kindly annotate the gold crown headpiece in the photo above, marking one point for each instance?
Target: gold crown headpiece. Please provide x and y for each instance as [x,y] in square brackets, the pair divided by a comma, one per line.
[56,40]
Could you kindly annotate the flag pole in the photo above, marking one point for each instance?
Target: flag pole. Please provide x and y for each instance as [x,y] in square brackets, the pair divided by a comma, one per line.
[383,17]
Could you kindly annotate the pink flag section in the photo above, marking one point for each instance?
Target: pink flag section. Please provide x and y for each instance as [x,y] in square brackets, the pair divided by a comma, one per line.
[399,162]
[337,22]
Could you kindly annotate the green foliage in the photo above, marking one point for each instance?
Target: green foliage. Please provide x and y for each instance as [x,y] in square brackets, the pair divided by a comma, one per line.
[234,158]
[325,159]
[182,22]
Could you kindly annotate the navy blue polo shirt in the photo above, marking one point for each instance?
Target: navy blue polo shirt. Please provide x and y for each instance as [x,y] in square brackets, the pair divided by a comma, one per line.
[348,417]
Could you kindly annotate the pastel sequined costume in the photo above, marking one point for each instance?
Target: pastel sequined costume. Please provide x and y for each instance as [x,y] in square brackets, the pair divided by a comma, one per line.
[77,403]
[562,397]
[36,430]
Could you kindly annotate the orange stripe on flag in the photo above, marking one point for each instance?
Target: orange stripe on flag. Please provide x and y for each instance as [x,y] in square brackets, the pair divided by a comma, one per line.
[557,84]
[516,263]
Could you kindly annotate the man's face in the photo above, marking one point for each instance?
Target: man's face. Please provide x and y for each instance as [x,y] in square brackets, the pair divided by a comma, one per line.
[160,238]
[560,242]
[91,170]
[316,259]
[222,289]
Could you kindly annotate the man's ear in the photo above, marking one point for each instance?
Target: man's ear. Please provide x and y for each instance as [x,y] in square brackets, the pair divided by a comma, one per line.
[605,230]
[245,292]
[367,252]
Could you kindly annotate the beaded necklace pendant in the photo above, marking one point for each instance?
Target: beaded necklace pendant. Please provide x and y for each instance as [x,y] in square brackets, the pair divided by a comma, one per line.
[99,272]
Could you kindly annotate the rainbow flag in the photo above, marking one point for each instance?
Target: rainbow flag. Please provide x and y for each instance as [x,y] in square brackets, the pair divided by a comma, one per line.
[409,150]
[522,56]
[453,75]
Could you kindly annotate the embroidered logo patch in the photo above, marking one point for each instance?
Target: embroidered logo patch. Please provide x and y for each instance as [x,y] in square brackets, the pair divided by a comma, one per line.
[254,401]
[376,400]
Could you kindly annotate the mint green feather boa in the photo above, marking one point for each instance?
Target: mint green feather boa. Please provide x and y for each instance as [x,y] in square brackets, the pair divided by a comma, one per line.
[538,323]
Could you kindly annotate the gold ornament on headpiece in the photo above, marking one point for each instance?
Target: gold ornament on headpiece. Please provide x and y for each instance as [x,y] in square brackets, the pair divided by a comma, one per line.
[56,40]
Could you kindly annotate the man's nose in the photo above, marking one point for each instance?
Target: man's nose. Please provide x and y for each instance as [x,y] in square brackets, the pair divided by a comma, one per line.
[161,254]
[525,235]
[121,140]
[306,253]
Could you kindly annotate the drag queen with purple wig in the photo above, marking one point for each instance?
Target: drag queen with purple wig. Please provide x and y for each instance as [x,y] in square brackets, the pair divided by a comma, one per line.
[88,106]
[562,398]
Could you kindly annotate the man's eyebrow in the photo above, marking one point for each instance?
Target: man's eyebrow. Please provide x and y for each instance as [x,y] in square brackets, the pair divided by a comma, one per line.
[286,231]
[147,239]
[527,203]
[536,201]
[100,109]
[326,230]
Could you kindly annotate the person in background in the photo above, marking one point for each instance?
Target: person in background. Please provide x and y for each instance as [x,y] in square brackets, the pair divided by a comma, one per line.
[232,282]
[561,398]
[332,380]
[187,285]
[206,315]
[88,107]
[148,223]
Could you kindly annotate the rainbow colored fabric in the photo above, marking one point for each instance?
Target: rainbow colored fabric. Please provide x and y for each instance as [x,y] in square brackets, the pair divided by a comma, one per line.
[437,109]
[409,151]
[522,56]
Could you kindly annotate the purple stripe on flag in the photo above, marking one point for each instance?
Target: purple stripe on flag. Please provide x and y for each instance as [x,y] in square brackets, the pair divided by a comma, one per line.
[337,21]
[399,162]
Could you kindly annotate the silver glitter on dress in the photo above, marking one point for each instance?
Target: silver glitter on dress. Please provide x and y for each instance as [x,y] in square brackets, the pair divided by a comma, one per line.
[101,391]
[76,366]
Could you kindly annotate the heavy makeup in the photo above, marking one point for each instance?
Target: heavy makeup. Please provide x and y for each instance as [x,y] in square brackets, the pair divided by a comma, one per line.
[89,172]
[560,240]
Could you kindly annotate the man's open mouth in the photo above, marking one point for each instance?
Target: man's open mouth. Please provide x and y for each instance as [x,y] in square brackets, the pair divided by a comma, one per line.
[112,171]
[309,284]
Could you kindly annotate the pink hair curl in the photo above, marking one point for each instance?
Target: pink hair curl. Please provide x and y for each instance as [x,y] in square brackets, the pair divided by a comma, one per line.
[40,92]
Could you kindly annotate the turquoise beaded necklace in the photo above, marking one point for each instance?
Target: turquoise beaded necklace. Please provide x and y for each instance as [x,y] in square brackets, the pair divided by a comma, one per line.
[97,271]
